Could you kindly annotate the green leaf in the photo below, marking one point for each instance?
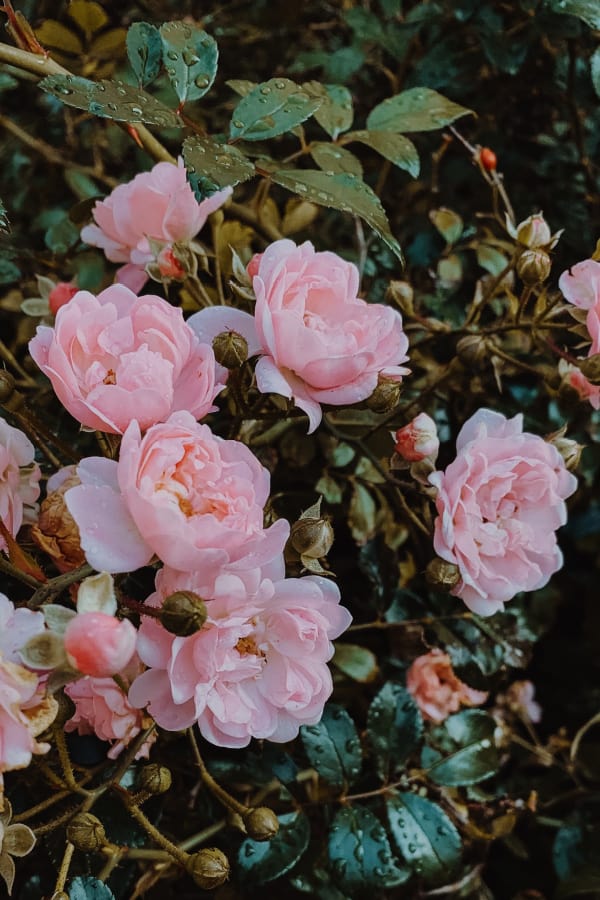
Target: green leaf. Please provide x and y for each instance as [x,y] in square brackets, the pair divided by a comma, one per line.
[491,259]
[448,223]
[586,10]
[417,109]
[360,852]
[362,513]
[333,747]
[424,835]
[8,272]
[144,49]
[214,166]
[241,86]
[398,149]
[394,726]
[4,223]
[462,750]
[87,888]
[61,236]
[348,193]
[335,114]
[595,70]
[333,158]
[262,861]
[110,99]
[270,109]
[356,662]
[190,56]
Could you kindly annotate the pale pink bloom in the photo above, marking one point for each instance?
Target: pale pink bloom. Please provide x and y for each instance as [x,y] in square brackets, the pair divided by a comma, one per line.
[257,668]
[319,343]
[19,479]
[499,505]
[118,357]
[17,627]
[103,709]
[581,286]
[99,644]
[585,388]
[18,692]
[436,689]
[60,294]
[417,440]
[193,499]
[158,206]
[519,697]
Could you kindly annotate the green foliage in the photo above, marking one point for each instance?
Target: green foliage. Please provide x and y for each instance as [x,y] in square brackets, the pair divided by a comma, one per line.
[360,853]
[586,10]
[190,57]
[333,747]
[424,835]
[88,888]
[335,113]
[263,861]
[270,109]
[398,149]
[417,109]
[394,728]
[462,750]
[144,49]
[212,166]
[110,100]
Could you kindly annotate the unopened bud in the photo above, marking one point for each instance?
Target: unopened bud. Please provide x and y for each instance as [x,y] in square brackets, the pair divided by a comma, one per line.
[86,832]
[441,574]
[402,294]
[154,779]
[418,439]
[474,350]
[209,868]
[386,395]
[183,613]
[533,266]
[261,823]
[311,537]
[570,451]
[230,349]
[590,368]
[534,232]
[7,385]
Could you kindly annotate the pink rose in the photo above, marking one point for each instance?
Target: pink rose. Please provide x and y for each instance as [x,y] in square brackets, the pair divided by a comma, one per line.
[319,342]
[418,439]
[499,504]
[436,689]
[19,479]
[578,381]
[18,689]
[17,627]
[193,499]
[158,206]
[118,357]
[257,668]
[99,644]
[519,698]
[581,286]
[60,294]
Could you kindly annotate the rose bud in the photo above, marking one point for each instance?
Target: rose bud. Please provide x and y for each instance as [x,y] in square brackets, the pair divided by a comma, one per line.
[417,440]
[534,266]
[209,868]
[169,265]
[154,779]
[60,294]
[99,644]
[230,349]
[386,395]
[183,613]
[534,232]
[86,832]
[311,537]
[569,449]
[261,823]
[441,574]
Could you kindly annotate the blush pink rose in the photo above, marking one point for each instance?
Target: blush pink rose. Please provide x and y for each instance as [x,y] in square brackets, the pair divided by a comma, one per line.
[118,357]
[257,668]
[436,689]
[19,479]
[417,440]
[99,644]
[581,286]
[193,499]
[578,381]
[319,343]
[499,505]
[17,627]
[158,206]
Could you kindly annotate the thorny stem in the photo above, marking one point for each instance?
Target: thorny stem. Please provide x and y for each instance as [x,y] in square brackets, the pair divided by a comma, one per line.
[407,623]
[64,868]
[8,569]
[65,762]
[135,812]
[220,793]
[56,585]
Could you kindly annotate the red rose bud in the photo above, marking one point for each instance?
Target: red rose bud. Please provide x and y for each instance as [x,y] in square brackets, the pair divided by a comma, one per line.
[252,267]
[169,265]
[417,440]
[60,294]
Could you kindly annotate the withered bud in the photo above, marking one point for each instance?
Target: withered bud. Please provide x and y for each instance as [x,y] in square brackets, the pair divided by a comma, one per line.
[261,823]
[230,349]
[183,613]
[56,531]
[533,266]
[209,868]
[154,779]
[590,368]
[570,451]
[311,537]
[441,574]
[402,294]
[474,350]
[86,832]
[386,395]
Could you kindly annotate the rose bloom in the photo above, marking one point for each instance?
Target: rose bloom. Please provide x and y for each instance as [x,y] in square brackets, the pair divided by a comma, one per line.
[99,644]
[118,357]
[19,479]
[499,504]
[17,627]
[193,499]
[102,708]
[581,286]
[157,206]
[319,343]
[257,667]
[577,380]
[519,698]
[436,689]
[418,439]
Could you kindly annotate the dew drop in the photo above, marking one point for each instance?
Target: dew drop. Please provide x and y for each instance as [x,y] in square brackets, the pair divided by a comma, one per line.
[201,81]
[173,55]
[265,90]
[238,124]
[280,85]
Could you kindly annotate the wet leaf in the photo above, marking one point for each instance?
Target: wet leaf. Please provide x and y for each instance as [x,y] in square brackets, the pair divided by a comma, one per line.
[333,747]
[462,750]
[333,158]
[88,888]
[144,49]
[190,56]
[586,10]
[424,835]
[360,851]
[398,149]
[394,727]
[212,166]
[263,861]
[356,662]
[335,114]
[270,109]
[417,109]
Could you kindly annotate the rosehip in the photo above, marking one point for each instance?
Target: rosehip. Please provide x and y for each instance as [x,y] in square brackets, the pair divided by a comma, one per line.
[488,159]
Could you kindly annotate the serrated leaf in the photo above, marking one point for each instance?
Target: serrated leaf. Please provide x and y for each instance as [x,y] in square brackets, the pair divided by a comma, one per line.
[396,147]
[110,100]
[333,747]
[595,70]
[424,835]
[144,49]
[348,193]
[191,57]
[270,109]
[90,16]
[462,750]
[333,158]
[356,662]
[215,166]
[88,888]
[4,223]
[360,851]
[394,727]
[448,223]
[335,114]
[586,10]
[263,861]
[417,109]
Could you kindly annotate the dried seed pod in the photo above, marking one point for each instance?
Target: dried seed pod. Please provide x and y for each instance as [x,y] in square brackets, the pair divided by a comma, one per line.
[183,613]
[209,868]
